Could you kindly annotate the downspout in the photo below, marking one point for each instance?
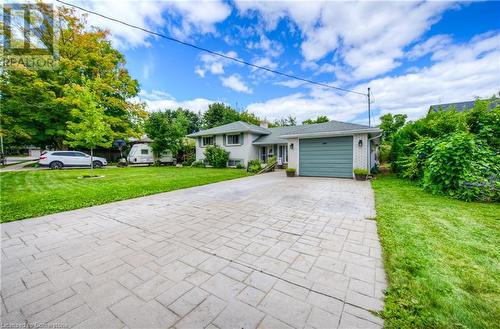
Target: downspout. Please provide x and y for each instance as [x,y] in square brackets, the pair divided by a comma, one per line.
[368,149]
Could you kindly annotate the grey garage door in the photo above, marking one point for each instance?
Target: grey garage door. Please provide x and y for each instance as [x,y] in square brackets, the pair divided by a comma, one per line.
[331,157]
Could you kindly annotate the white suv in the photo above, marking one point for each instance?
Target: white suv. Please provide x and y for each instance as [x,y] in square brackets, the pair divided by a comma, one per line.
[60,159]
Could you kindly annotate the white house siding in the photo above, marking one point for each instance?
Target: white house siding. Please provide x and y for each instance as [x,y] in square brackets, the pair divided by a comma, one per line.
[293,155]
[360,154]
[245,152]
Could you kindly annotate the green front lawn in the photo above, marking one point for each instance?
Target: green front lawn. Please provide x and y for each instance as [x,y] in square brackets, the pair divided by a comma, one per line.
[442,258]
[34,193]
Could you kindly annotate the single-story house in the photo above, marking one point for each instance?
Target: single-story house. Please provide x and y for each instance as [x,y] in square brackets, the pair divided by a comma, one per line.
[331,149]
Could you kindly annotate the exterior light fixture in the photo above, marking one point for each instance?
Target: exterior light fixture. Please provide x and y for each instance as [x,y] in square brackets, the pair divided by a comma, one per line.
[360,143]
[291,146]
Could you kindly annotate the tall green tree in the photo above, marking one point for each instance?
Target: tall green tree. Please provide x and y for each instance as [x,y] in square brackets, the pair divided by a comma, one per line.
[319,119]
[250,118]
[219,114]
[89,128]
[390,124]
[166,131]
[194,119]
[33,109]
[283,122]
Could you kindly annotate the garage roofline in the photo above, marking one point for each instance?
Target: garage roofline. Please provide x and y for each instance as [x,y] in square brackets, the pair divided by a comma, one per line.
[332,133]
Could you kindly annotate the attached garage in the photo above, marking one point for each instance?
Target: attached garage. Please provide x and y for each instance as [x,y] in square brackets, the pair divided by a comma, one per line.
[328,157]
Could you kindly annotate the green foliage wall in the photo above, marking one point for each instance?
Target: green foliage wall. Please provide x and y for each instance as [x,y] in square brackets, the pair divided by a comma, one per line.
[453,153]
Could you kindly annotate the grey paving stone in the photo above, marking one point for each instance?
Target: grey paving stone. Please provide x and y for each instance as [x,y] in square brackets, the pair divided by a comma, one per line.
[238,315]
[169,296]
[223,286]
[188,301]
[261,281]
[363,301]
[56,310]
[28,296]
[73,317]
[329,304]
[285,308]
[251,296]
[104,319]
[202,315]
[46,302]
[349,321]
[198,278]
[320,319]
[312,233]
[271,323]
[137,314]
[105,295]
[291,289]
[153,287]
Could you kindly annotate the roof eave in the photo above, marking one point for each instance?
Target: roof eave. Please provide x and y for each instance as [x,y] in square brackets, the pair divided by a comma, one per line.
[333,133]
[201,133]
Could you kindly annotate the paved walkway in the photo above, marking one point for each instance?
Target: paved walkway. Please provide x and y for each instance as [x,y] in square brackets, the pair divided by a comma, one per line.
[264,251]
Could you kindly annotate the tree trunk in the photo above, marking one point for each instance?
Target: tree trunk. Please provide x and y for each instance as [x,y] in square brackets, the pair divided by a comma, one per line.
[91,160]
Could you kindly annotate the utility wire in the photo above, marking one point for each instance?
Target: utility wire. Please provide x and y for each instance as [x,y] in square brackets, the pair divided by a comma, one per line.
[211,51]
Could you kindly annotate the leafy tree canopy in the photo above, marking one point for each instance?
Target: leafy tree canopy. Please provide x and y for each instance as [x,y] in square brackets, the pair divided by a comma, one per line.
[390,124]
[89,129]
[166,131]
[319,119]
[34,109]
[283,122]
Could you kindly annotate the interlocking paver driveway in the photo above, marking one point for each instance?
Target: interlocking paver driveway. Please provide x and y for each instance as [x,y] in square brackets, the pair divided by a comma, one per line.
[264,251]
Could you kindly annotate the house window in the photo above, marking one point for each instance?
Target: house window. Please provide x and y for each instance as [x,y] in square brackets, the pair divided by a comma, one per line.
[233,139]
[233,162]
[207,141]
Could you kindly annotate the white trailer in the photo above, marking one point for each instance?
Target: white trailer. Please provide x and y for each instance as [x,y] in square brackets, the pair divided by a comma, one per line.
[143,154]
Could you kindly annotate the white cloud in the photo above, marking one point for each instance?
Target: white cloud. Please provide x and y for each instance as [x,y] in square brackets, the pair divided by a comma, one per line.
[265,62]
[290,83]
[187,18]
[271,48]
[369,37]
[431,45]
[467,71]
[158,100]
[214,64]
[234,82]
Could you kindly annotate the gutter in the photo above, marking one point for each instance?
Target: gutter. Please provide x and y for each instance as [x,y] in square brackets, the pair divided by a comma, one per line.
[332,133]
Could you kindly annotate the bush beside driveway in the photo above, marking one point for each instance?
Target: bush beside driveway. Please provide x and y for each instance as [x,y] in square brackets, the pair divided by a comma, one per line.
[441,257]
[26,194]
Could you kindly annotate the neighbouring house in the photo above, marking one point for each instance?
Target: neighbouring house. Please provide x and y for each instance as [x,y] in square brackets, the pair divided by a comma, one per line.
[459,106]
[331,149]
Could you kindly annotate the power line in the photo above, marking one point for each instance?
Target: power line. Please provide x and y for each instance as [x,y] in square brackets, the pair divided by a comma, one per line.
[212,52]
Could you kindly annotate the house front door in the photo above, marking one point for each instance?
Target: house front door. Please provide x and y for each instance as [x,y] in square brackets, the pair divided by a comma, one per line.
[263,154]
[283,154]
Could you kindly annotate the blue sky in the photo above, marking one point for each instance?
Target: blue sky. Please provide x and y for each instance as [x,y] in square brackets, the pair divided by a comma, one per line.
[412,54]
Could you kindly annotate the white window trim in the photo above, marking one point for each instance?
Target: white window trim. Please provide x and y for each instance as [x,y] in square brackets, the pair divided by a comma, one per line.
[227,140]
[205,145]
[239,160]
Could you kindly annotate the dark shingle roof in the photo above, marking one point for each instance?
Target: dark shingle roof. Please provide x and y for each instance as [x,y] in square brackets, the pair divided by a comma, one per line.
[273,135]
[331,126]
[459,106]
[233,127]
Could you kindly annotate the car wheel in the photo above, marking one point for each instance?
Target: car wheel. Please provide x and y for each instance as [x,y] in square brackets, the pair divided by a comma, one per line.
[97,164]
[56,165]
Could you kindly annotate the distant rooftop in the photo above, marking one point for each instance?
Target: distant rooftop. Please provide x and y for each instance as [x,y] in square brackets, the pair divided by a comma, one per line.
[459,106]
